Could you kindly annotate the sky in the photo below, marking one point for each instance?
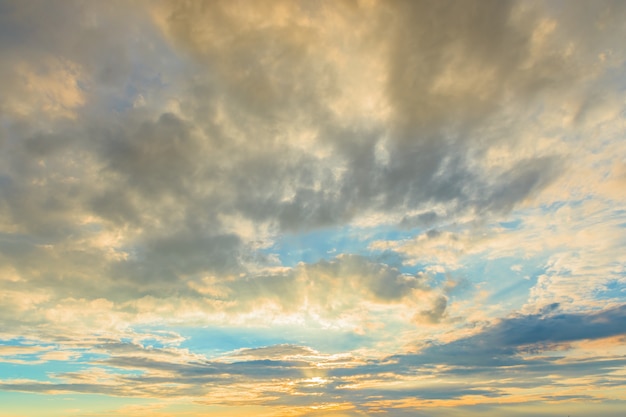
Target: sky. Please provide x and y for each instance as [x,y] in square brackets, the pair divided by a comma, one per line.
[359,208]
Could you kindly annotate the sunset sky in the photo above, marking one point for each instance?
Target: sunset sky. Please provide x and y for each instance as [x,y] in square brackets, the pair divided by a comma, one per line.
[305,208]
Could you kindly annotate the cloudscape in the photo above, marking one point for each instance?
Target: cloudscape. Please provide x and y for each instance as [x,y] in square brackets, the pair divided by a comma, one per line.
[349,208]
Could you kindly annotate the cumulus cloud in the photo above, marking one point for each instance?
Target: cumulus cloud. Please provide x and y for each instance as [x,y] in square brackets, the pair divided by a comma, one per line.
[221,148]
[432,134]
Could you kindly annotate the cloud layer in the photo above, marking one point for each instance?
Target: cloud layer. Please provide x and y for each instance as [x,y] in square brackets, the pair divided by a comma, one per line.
[350,207]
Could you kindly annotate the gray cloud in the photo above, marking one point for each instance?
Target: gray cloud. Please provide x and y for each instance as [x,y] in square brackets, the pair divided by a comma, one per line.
[264,77]
[254,130]
[146,156]
[493,353]
[430,158]
[230,148]
[558,327]
[502,344]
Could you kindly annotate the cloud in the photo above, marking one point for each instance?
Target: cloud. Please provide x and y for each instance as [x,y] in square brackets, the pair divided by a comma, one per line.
[158,160]
[560,327]
[277,351]
[221,163]
[348,292]
[339,288]
[167,180]
[502,343]
[289,375]
[424,163]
